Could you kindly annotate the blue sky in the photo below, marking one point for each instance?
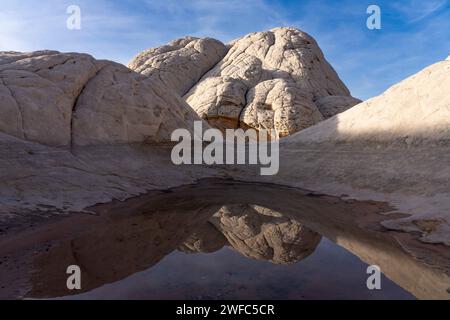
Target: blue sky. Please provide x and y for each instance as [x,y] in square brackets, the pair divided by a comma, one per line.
[414,33]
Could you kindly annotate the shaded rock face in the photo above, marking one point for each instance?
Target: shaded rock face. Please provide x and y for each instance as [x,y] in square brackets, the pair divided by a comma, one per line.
[271,80]
[262,234]
[181,63]
[413,112]
[62,99]
[330,106]
[405,135]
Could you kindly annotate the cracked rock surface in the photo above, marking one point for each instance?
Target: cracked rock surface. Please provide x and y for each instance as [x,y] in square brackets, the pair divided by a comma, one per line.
[181,63]
[271,80]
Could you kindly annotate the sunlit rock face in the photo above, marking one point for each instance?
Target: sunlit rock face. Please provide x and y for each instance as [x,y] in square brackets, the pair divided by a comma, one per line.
[38,91]
[263,234]
[276,79]
[181,63]
[271,80]
[64,99]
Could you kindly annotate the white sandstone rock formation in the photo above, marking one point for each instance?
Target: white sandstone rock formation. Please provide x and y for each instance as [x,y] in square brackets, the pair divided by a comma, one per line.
[330,106]
[270,80]
[392,148]
[38,92]
[180,64]
[414,112]
[63,99]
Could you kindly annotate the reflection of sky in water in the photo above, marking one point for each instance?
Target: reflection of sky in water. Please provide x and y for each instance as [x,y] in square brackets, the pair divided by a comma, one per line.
[330,272]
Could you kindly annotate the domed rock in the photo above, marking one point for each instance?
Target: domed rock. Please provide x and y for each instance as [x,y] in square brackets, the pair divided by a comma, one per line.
[269,80]
[38,92]
[263,234]
[181,63]
[122,106]
[63,99]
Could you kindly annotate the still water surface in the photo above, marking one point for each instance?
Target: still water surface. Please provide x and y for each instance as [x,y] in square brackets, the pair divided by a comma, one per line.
[330,272]
[224,240]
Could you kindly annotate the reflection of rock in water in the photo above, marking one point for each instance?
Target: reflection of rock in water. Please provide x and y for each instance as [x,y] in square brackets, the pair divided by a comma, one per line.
[207,239]
[263,234]
[255,232]
[111,249]
[131,236]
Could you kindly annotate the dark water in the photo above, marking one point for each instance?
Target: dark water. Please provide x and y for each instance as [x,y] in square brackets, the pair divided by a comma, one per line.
[222,240]
[330,272]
